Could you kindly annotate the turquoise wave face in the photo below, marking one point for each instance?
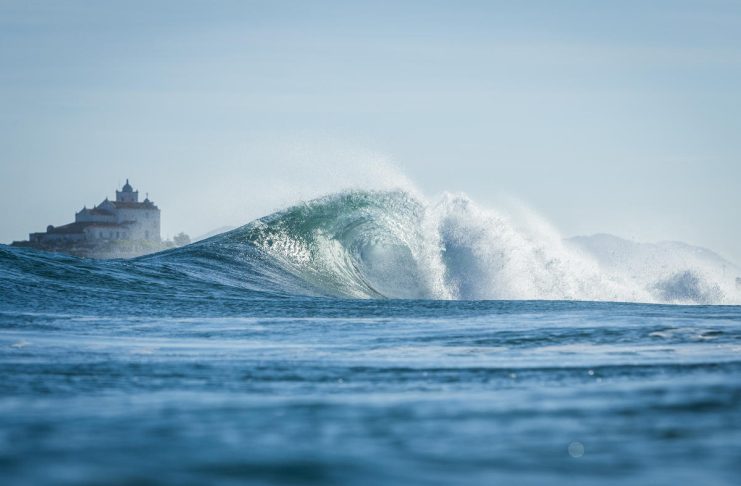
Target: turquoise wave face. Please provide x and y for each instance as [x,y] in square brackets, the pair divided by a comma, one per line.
[364,245]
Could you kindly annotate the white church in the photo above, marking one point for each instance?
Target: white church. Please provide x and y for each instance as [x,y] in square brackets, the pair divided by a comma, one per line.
[124,219]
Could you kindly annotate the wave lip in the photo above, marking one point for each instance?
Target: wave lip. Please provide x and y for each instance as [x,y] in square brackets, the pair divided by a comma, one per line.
[359,244]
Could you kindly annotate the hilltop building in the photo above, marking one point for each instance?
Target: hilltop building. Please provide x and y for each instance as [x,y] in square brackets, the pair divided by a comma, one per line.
[121,228]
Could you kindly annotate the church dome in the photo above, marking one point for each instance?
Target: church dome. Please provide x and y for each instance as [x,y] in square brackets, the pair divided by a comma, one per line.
[127,187]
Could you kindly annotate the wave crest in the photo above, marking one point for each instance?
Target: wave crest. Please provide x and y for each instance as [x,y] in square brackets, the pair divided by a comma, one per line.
[392,244]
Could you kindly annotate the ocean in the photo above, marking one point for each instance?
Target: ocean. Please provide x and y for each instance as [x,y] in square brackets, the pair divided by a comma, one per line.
[370,338]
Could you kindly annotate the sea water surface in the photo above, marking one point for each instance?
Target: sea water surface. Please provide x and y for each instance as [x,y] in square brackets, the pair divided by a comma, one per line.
[351,341]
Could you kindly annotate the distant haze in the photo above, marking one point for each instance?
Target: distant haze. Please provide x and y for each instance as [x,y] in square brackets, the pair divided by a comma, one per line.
[620,118]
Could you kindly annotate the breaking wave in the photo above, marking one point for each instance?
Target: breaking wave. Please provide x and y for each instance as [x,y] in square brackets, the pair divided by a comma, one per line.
[388,244]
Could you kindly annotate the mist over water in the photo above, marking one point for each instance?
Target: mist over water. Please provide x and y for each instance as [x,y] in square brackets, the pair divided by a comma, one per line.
[362,229]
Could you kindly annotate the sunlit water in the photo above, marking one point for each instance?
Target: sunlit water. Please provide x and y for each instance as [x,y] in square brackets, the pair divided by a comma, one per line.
[352,392]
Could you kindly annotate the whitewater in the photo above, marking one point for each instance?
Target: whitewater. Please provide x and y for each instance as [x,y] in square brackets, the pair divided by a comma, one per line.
[393,244]
[373,337]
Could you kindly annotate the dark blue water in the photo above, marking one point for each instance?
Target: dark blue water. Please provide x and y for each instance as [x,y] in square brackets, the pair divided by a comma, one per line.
[220,363]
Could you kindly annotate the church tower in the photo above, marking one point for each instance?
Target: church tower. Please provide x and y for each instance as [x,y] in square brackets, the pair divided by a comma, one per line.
[127,194]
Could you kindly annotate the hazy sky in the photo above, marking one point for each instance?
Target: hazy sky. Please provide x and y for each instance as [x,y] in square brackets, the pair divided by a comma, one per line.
[622,117]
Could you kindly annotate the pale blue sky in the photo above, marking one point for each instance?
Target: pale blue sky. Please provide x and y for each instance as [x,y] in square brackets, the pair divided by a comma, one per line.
[619,117]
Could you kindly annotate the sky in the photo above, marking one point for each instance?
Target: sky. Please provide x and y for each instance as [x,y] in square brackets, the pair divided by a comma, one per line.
[620,117]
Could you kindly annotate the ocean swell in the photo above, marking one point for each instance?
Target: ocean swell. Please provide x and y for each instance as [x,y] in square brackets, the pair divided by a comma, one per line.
[392,244]
[381,244]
